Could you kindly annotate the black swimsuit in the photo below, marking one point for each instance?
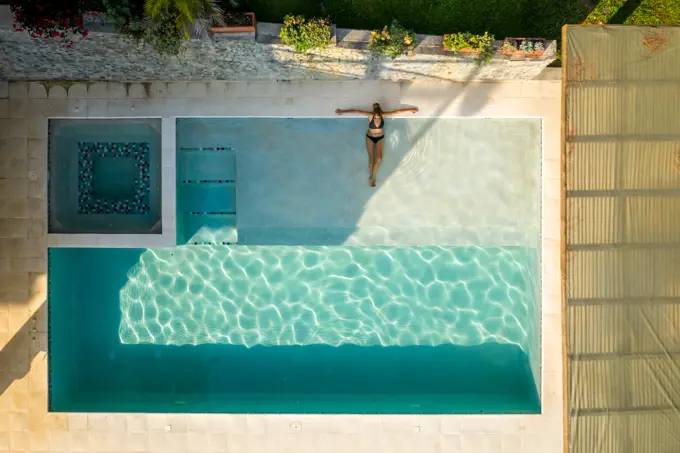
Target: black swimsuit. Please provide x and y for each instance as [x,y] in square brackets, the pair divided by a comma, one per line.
[372,125]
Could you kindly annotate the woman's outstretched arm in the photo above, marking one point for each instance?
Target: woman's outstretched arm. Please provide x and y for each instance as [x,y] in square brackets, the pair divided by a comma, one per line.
[356,112]
[400,111]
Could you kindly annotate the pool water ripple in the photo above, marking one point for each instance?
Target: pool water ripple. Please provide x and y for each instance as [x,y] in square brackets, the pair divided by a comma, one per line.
[367,296]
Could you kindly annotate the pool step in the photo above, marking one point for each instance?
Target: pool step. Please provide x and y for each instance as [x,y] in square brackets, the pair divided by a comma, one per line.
[206,196]
[207,164]
[214,229]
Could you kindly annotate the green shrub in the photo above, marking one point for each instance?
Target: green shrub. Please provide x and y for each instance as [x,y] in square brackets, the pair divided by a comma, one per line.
[393,41]
[305,34]
[128,17]
[483,44]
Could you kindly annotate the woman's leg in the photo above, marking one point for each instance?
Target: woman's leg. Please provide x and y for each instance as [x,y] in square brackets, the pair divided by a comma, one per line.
[379,147]
[370,148]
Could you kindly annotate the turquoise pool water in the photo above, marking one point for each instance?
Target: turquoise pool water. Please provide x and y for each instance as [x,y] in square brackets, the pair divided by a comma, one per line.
[291,329]
[296,288]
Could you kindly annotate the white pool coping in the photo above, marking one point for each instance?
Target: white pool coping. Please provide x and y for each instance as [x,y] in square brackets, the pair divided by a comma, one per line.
[259,433]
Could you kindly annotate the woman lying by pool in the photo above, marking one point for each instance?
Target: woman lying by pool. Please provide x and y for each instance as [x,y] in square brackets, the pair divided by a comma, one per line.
[375,143]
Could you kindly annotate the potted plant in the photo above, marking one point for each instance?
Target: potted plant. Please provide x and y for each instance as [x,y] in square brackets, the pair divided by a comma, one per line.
[306,34]
[392,41]
[235,26]
[467,43]
[526,47]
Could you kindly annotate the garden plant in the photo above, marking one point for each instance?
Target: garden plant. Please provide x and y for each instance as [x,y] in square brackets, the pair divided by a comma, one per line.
[479,45]
[305,34]
[163,24]
[392,41]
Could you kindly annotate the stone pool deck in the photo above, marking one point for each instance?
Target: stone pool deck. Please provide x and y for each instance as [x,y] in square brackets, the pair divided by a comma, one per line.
[25,423]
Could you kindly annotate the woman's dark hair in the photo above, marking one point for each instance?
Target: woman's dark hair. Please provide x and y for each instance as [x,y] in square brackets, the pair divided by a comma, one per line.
[377,109]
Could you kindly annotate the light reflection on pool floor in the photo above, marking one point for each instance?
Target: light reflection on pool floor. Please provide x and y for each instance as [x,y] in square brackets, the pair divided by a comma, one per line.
[389,296]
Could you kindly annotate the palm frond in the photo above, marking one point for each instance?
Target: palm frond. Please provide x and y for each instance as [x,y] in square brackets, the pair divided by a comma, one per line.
[202,13]
[210,15]
[154,8]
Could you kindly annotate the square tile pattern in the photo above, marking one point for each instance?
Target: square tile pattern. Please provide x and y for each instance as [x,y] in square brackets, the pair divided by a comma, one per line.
[113,178]
[25,422]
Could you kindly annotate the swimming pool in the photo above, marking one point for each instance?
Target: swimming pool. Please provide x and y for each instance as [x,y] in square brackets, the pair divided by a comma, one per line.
[291,326]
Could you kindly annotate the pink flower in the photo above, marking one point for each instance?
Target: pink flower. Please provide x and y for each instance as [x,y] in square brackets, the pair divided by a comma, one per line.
[85,33]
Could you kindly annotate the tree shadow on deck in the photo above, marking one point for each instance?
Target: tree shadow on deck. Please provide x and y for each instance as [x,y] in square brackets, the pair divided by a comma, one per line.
[18,354]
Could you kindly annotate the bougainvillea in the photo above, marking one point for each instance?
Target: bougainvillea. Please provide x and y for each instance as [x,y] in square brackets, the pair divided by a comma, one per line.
[60,20]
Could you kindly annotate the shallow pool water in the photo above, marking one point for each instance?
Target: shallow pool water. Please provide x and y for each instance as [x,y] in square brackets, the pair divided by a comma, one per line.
[368,296]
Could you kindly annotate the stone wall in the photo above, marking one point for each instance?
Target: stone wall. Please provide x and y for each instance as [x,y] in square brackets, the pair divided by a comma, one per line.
[106,56]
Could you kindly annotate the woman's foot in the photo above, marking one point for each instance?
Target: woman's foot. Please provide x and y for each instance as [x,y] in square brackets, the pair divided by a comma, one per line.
[372,183]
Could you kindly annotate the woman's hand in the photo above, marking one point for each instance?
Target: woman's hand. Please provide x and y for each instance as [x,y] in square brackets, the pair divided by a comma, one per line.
[339,111]
[415,110]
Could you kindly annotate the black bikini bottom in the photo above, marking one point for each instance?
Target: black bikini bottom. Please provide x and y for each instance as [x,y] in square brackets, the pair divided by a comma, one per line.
[375,139]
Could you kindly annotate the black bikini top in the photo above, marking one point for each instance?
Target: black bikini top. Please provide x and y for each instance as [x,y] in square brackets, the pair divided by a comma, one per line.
[372,125]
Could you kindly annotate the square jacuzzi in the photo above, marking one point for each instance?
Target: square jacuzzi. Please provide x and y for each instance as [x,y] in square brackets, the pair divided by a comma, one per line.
[105,176]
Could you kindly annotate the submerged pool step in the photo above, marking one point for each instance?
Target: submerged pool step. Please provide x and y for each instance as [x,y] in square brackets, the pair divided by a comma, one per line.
[207,197]
[207,164]
[210,229]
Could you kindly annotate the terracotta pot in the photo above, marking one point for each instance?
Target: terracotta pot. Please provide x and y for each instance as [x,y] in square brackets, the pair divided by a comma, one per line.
[237,28]
[466,50]
[536,53]
[443,46]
